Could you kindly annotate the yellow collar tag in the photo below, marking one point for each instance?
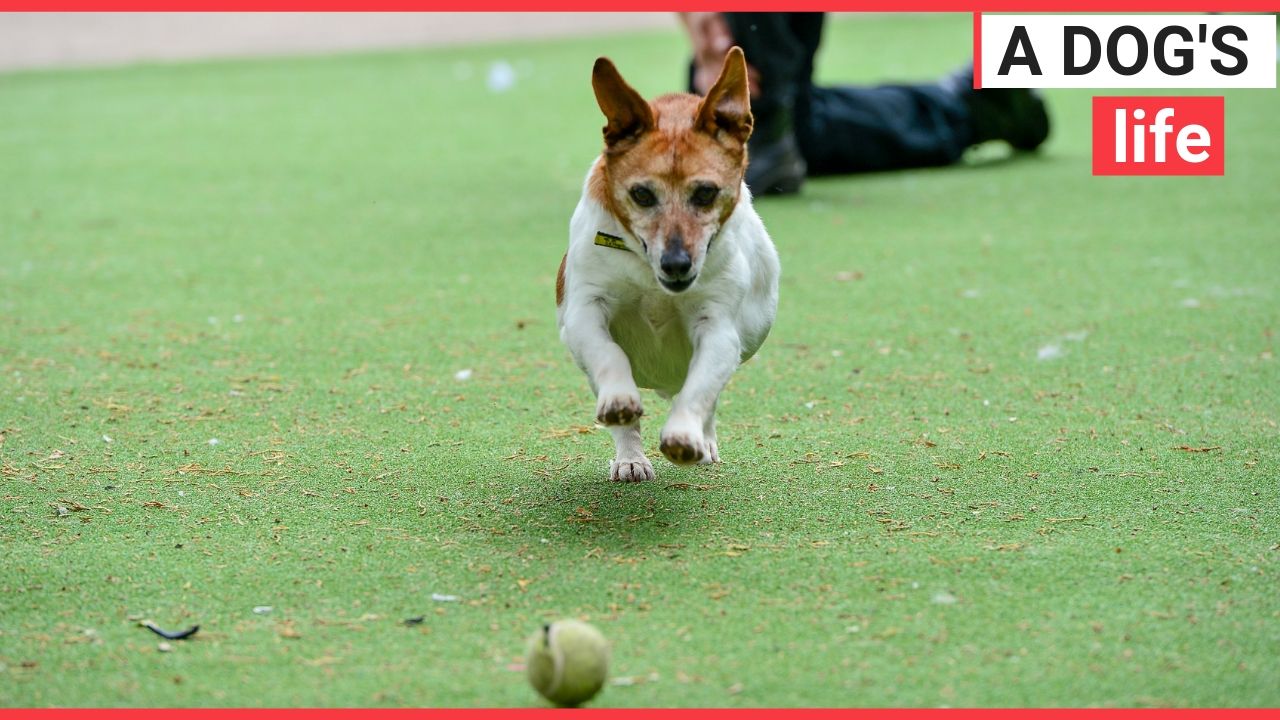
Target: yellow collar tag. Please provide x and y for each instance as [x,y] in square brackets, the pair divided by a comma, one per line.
[612,241]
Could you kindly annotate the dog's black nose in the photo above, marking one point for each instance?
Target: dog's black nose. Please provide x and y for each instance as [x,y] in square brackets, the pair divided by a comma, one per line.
[676,262]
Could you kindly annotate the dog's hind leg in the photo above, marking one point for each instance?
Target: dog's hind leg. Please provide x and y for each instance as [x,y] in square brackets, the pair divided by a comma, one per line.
[630,464]
[709,432]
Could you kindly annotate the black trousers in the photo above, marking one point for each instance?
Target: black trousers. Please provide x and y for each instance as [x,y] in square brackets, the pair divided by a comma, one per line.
[844,129]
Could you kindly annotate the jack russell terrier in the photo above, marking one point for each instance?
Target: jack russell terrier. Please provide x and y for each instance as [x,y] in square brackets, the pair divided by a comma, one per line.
[670,280]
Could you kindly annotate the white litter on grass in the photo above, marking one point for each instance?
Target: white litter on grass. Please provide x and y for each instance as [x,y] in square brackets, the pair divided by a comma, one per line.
[970,293]
[1219,291]
[944,598]
[214,441]
[462,375]
[238,318]
[444,598]
[502,77]
[628,680]
[1049,352]
[63,511]
[853,629]
[107,438]
[262,609]
[1053,350]
[182,493]
[809,404]
[1190,303]
[164,647]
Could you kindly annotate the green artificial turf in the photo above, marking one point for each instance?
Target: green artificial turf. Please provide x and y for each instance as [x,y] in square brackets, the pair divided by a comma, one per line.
[1013,440]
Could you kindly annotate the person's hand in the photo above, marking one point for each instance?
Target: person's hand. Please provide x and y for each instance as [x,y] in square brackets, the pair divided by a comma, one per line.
[711,40]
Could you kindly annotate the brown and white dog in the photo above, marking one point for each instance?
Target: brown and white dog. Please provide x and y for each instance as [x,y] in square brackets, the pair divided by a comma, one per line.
[670,280]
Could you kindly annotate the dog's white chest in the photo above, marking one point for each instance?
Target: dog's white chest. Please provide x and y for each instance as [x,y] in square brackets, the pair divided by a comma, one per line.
[660,314]
[652,332]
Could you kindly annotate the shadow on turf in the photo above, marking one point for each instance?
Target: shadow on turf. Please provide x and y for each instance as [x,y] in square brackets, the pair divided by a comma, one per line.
[585,506]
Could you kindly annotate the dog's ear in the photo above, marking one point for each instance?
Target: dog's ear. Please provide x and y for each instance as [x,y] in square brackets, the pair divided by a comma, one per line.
[627,112]
[727,106]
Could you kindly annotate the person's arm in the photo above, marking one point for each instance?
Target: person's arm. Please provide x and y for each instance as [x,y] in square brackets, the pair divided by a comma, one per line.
[711,39]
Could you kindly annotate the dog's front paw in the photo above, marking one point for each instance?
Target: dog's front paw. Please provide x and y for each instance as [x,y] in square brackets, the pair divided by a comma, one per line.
[685,447]
[633,470]
[621,408]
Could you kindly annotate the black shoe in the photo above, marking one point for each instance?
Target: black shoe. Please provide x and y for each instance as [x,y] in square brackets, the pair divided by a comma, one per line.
[775,168]
[1015,115]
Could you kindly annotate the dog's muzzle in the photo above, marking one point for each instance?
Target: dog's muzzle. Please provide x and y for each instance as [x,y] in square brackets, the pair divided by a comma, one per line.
[676,286]
[677,267]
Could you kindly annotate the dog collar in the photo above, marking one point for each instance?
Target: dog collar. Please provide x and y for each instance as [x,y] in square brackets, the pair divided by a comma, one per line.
[604,239]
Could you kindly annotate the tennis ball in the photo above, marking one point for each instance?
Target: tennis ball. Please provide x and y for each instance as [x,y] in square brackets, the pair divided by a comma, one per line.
[567,662]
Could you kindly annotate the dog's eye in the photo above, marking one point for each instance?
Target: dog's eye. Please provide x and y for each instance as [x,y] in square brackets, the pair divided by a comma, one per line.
[643,196]
[704,195]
